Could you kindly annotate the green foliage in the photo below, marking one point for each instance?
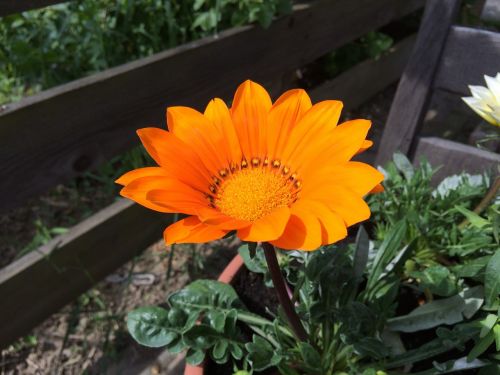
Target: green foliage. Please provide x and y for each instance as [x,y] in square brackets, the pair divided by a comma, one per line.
[370,46]
[42,48]
[349,296]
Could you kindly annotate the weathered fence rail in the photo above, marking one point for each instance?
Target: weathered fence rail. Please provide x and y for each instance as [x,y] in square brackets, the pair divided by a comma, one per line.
[55,135]
[89,120]
[16,6]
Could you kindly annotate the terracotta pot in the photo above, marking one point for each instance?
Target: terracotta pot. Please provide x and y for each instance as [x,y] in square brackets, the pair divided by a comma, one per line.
[227,277]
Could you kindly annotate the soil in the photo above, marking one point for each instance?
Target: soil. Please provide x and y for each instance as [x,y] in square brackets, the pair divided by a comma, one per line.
[90,335]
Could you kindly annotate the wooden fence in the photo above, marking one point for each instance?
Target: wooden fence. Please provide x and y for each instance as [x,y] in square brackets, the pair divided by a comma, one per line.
[54,136]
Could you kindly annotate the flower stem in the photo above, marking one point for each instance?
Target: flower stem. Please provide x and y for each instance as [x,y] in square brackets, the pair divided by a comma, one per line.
[283,297]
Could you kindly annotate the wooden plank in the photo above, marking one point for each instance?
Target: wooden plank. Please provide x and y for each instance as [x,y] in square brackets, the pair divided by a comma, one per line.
[58,134]
[453,157]
[491,11]
[363,81]
[45,280]
[468,56]
[17,6]
[409,105]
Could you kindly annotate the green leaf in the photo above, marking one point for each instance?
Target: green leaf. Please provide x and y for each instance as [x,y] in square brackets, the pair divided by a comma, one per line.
[404,165]
[203,295]
[492,279]
[481,346]
[487,324]
[149,326]
[438,280]
[372,347]
[432,314]
[195,357]
[496,333]
[473,298]
[386,252]
[261,354]
[473,268]
[361,252]
[220,349]
[254,259]
[476,220]
[454,365]
[311,357]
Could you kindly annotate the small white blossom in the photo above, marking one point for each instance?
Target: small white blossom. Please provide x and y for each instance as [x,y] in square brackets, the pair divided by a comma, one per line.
[485,101]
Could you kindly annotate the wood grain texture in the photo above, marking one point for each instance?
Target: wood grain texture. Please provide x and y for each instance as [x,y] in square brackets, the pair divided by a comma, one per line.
[364,80]
[45,280]
[60,133]
[469,55]
[411,98]
[17,6]
[453,157]
[491,11]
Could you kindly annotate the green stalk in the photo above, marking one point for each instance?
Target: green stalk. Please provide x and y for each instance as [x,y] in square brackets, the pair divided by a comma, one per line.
[283,297]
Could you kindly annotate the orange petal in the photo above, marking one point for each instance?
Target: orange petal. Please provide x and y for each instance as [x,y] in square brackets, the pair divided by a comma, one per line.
[218,219]
[181,197]
[251,105]
[218,113]
[195,130]
[358,177]
[141,172]
[191,230]
[333,228]
[315,128]
[286,112]
[337,148]
[312,239]
[267,228]
[377,189]
[177,197]
[175,157]
[293,236]
[349,205]
[365,146]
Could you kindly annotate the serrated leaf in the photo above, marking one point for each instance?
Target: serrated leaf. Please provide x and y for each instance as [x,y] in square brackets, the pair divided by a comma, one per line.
[492,279]
[261,354]
[220,349]
[204,295]
[195,357]
[253,258]
[149,326]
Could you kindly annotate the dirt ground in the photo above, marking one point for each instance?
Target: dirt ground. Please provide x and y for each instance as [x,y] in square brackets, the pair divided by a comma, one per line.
[90,336]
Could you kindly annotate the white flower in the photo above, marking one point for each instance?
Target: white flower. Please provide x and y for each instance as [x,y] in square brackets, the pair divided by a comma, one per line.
[485,101]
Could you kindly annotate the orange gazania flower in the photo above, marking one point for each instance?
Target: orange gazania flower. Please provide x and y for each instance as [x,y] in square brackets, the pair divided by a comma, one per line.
[278,172]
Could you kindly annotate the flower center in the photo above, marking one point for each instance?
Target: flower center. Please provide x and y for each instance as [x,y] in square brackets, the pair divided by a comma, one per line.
[254,190]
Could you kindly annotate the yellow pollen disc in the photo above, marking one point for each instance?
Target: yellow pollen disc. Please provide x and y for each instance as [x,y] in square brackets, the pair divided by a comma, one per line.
[253,193]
